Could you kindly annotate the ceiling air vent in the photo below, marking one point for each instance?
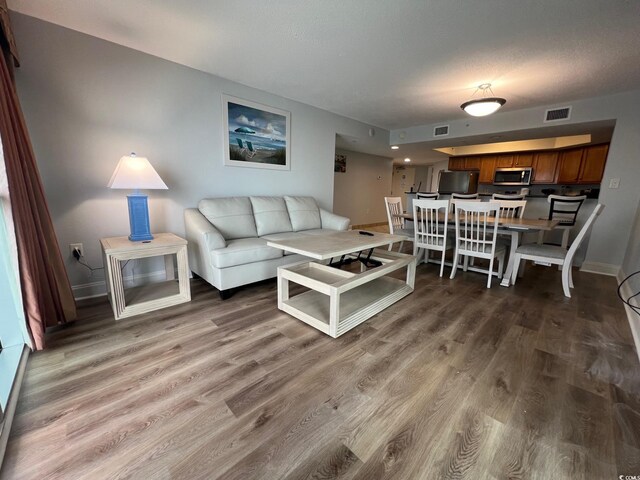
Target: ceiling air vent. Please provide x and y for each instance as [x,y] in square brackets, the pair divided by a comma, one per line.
[441,131]
[557,114]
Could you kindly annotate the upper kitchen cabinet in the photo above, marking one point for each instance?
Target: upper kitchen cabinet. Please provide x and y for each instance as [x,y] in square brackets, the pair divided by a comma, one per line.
[504,161]
[523,160]
[583,165]
[569,168]
[545,165]
[592,167]
[472,163]
[457,163]
[487,169]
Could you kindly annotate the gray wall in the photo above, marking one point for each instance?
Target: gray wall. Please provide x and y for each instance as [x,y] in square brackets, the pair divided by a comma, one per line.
[359,192]
[87,102]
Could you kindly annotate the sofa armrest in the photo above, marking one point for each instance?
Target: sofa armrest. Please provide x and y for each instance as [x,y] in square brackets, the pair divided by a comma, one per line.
[333,221]
[199,230]
[202,237]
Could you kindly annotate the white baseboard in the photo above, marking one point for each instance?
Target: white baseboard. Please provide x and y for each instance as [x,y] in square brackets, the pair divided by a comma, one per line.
[99,288]
[601,268]
[634,317]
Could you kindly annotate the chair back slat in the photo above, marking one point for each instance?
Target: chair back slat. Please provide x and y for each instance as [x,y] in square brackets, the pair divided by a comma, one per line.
[477,227]
[430,219]
[565,208]
[504,196]
[465,196]
[429,195]
[394,208]
[511,208]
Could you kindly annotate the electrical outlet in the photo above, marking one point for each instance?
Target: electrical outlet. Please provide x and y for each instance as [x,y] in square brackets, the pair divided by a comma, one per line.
[76,246]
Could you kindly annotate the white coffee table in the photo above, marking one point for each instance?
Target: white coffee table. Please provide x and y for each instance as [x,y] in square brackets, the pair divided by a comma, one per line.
[337,300]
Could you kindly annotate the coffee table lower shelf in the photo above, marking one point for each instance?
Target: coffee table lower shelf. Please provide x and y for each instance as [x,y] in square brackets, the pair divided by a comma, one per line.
[338,300]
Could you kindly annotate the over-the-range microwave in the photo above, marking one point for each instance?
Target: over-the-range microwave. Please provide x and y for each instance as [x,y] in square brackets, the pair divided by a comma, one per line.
[512,176]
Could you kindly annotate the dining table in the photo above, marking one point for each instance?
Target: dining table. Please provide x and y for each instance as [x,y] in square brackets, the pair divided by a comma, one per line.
[513,227]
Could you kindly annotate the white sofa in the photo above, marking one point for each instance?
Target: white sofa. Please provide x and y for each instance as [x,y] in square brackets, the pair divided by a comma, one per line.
[228,236]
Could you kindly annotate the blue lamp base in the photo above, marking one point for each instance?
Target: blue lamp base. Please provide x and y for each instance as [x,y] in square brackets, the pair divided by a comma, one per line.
[139,218]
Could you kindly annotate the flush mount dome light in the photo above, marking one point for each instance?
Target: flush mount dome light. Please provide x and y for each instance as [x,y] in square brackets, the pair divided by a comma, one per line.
[485,105]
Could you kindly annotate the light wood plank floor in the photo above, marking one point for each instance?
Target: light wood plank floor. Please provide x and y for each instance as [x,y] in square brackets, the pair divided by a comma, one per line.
[454,381]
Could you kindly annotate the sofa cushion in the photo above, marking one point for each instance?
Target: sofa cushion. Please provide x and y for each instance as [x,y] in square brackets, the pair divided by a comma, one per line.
[271,215]
[232,216]
[242,251]
[274,237]
[304,213]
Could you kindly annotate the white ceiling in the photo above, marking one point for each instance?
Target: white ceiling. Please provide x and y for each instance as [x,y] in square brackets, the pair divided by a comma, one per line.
[393,64]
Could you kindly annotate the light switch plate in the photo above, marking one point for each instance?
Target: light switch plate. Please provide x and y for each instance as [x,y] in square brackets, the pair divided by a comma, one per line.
[614,183]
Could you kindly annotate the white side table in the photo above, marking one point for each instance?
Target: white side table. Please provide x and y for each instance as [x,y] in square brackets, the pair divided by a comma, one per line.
[147,298]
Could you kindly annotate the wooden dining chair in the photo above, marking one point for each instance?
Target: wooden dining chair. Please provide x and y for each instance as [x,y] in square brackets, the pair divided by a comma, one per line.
[511,208]
[465,196]
[555,255]
[477,235]
[430,233]
[428,195]
[397,223]
[504,196]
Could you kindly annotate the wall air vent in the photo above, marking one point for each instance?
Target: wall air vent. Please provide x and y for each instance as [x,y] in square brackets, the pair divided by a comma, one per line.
[557,114]
[441,131]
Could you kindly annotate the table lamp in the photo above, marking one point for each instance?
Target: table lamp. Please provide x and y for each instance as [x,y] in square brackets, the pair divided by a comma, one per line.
[136,173]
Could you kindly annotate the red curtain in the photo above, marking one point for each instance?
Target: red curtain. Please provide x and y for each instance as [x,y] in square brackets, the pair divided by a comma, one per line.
[46,292]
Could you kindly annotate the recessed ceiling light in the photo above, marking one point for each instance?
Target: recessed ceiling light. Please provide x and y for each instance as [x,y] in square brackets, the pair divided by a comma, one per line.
[394,147]
[407,160]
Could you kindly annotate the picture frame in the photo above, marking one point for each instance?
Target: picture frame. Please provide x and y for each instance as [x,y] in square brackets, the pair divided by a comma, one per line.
[255,135]
[340,163]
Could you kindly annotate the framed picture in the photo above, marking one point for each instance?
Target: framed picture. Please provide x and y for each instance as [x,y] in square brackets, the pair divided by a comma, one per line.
[340,165]
[256,135]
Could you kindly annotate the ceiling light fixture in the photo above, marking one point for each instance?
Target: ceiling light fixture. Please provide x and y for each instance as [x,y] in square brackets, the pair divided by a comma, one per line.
[407,160]
[485,105]
[394,147]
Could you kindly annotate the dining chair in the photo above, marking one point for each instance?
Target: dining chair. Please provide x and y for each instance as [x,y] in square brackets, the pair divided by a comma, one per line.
[430,233]
[511,208]
[503,196]
[465,196]
[429,195]
[555,255]
[565,209]
[477,234]
[396,222]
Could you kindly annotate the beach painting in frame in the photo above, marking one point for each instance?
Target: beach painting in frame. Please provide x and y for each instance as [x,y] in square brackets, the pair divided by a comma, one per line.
[256,135]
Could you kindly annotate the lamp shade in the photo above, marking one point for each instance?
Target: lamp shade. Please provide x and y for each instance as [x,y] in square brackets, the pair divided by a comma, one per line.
[136,173]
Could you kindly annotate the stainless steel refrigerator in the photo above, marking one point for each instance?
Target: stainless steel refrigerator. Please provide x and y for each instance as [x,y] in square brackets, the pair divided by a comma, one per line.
[458,182]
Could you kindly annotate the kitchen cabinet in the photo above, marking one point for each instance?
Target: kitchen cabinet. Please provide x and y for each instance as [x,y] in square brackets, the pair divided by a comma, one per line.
[487,169]
[545,165]
[570,163]
[504,161]
[472,163]
[523,160]
[592,165]
[583,165]
[457,163]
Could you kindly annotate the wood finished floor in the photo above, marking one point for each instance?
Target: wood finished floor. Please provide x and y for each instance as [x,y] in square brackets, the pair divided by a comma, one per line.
[454,381]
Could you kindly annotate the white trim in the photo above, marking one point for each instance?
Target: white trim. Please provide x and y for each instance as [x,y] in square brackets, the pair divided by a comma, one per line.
[99,288]
[634,318]
[601,268]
